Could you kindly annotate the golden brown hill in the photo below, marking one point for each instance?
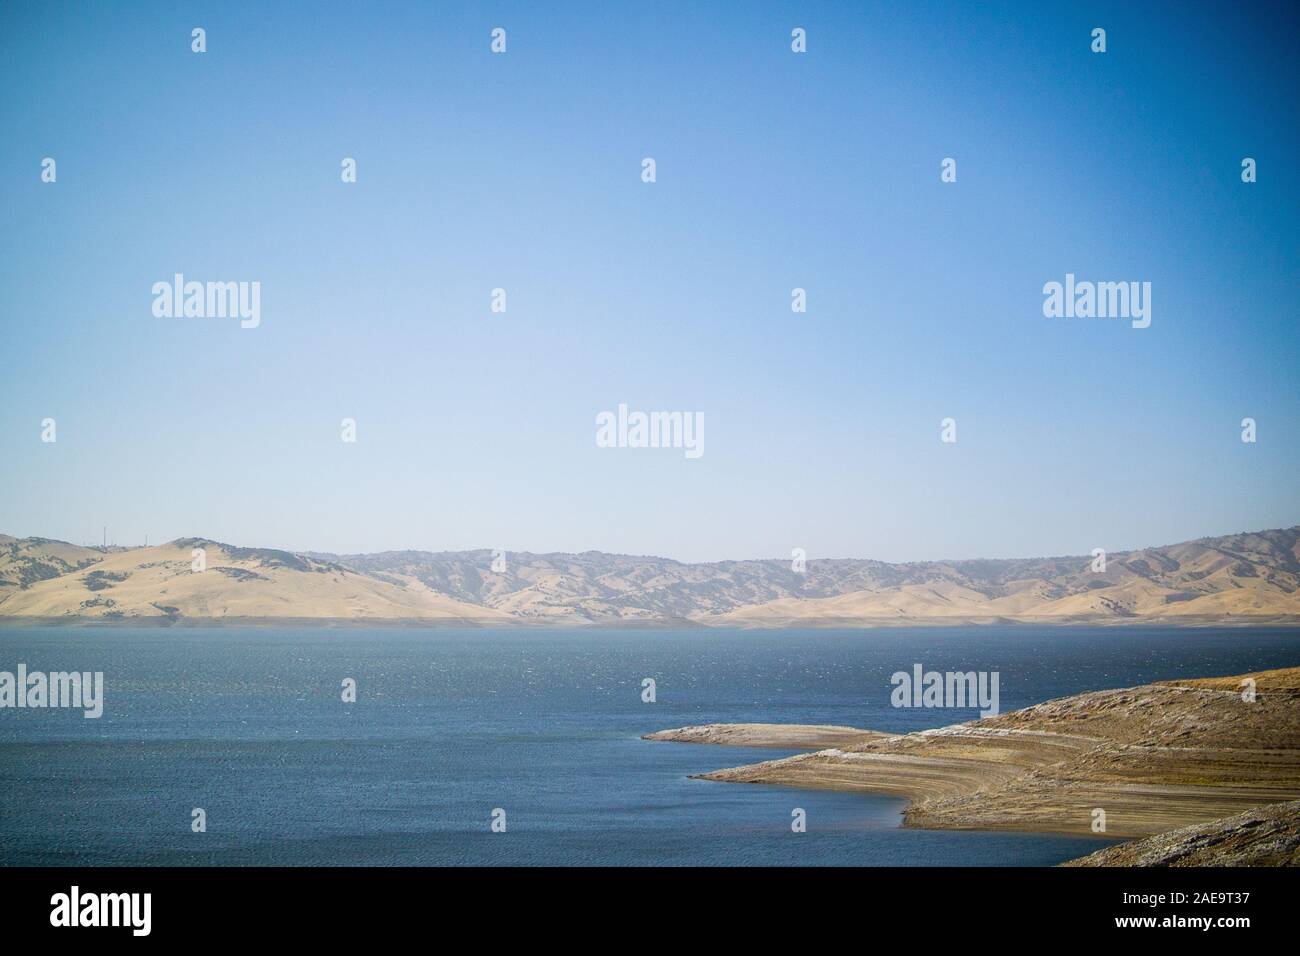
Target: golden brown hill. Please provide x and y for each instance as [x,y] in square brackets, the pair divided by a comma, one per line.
[249,584]
[1244,579]
[25,561]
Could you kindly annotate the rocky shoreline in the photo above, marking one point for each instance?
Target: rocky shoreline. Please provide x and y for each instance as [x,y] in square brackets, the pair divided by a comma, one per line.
[1264,836]
[1137,761]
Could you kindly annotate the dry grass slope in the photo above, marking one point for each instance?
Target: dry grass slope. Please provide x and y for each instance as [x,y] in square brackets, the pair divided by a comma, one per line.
[238,584]
[1238,579]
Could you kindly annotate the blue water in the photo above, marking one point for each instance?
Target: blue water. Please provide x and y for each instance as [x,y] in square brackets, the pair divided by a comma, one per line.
[249,725]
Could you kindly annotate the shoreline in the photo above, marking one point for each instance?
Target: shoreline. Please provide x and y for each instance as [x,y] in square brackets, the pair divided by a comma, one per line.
[767,736]
[617,624]
[1152,759]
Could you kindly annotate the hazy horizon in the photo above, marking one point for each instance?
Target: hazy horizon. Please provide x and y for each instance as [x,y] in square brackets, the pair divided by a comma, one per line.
[784,559]
[775,171]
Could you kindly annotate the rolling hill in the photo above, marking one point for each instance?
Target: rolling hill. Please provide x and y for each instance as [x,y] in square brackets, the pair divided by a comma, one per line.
[236,584]
[1251,578]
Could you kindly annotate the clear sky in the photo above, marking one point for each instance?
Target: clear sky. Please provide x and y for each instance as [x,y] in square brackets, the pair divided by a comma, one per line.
[775,170]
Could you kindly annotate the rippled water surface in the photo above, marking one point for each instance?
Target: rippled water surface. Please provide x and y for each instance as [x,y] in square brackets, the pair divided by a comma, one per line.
[248,724]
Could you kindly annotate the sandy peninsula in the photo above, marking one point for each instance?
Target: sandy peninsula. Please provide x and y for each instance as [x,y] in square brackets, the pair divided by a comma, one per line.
[1153,758]
[774,736]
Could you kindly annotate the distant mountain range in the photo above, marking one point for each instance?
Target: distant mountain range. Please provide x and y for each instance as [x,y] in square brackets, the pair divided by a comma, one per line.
[1251,578]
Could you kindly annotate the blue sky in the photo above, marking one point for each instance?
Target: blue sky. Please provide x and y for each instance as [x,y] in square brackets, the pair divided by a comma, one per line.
[775,170]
